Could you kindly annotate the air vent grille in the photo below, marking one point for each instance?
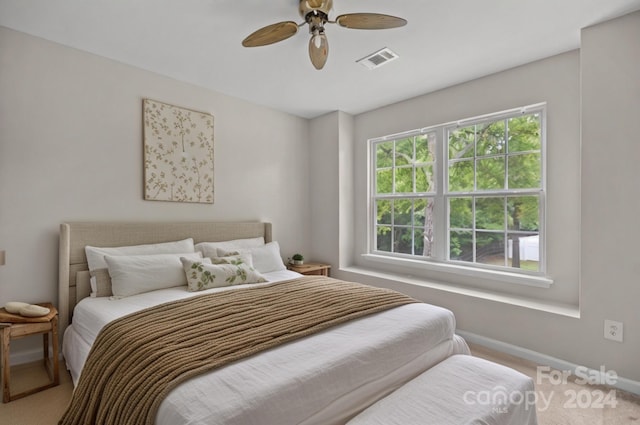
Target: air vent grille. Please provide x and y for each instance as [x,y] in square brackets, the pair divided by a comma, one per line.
[377,59]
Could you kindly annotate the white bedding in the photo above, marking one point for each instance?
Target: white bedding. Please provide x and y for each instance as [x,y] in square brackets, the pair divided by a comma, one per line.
[325,378]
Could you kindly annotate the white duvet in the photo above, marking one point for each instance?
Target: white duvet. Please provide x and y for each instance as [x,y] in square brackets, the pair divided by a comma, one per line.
[325,378]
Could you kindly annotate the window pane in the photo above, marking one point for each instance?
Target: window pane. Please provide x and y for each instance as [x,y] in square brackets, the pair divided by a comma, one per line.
[490,213]
[524,171]
[425,179]
[523,213]
[419,244]
[404,151]
[490,248]
[461,213]
[423,222]
[383,212]
[402,239]
[420,211]
[384,155]
[462,142]
[524,252]
[404,180]
[524,133]
[402,212]
[425,147]
[383,241]
[491,139]
[384,181]
[490,173]
[461,246]
[461,176]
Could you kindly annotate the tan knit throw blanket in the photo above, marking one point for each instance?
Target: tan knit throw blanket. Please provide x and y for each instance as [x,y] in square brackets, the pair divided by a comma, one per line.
[136,360]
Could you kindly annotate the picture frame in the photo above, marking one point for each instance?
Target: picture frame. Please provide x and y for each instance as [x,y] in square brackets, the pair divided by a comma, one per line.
[178,153]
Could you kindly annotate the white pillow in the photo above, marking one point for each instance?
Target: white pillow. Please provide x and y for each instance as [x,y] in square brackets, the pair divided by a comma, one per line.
[201,276]
[95,255]
[135,274]
[265,258]
[100,281]
[232,259]
[209,249]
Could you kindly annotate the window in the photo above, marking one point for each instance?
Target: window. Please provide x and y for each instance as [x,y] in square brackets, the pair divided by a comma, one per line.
[469,194]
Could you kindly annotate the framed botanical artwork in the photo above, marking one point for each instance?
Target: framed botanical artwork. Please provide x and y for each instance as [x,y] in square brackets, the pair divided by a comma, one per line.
[178,153]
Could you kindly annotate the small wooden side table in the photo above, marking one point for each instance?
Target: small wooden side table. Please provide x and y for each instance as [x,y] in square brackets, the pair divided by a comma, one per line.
[309,269]
[13,326]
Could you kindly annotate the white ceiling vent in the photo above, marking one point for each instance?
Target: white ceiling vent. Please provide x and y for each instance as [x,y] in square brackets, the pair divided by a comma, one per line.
[377,59]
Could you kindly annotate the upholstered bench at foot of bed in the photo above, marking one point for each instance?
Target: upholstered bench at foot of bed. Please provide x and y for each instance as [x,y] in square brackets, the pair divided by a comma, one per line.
[459,390]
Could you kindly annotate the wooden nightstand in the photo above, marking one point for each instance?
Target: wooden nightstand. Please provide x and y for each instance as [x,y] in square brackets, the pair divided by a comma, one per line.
[13,326]
[309,269]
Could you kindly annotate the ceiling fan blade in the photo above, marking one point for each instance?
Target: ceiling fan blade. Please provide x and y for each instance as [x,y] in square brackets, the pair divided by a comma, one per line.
[369,21]
[271,34]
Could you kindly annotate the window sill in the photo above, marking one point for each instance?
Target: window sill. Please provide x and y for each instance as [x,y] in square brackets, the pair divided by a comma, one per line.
[494,275]
[567,310]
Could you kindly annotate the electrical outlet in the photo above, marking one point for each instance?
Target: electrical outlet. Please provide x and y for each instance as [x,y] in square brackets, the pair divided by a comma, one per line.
[613,330]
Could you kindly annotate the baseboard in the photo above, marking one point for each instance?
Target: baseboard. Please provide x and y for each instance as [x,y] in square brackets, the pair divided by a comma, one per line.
[624,384]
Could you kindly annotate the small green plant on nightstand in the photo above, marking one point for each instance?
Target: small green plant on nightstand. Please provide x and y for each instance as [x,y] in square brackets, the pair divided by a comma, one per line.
[297,259]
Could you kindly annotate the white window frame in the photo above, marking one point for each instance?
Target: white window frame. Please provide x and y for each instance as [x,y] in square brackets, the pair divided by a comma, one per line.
[441,261]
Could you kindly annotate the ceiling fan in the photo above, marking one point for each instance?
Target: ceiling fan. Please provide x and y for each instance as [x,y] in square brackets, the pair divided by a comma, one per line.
[316,14]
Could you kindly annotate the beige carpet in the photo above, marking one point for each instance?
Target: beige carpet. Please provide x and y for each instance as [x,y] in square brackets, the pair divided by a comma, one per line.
[42,408]
[46,407]
[570,403]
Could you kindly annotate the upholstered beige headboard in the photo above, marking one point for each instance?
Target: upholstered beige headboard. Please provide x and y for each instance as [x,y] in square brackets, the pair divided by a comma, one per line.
[73,272]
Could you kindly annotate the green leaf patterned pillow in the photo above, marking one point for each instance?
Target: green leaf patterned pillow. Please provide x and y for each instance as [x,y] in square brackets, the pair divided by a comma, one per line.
[201,276]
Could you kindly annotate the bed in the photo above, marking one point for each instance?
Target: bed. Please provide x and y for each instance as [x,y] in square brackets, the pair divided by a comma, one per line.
[323,378]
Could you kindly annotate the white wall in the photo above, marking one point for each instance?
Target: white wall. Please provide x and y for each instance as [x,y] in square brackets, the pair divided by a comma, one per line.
[331,188]
[71,149]
[610,58]
[593,98]
[324,187]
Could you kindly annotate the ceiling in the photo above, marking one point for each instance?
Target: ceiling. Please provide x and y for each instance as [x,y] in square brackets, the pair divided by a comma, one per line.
[199,41]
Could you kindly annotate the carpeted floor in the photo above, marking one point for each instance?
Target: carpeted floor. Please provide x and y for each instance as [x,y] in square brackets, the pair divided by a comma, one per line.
[42,408]
[569,404]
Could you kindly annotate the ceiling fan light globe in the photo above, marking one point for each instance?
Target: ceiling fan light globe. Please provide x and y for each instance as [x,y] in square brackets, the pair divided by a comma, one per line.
[318,50]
